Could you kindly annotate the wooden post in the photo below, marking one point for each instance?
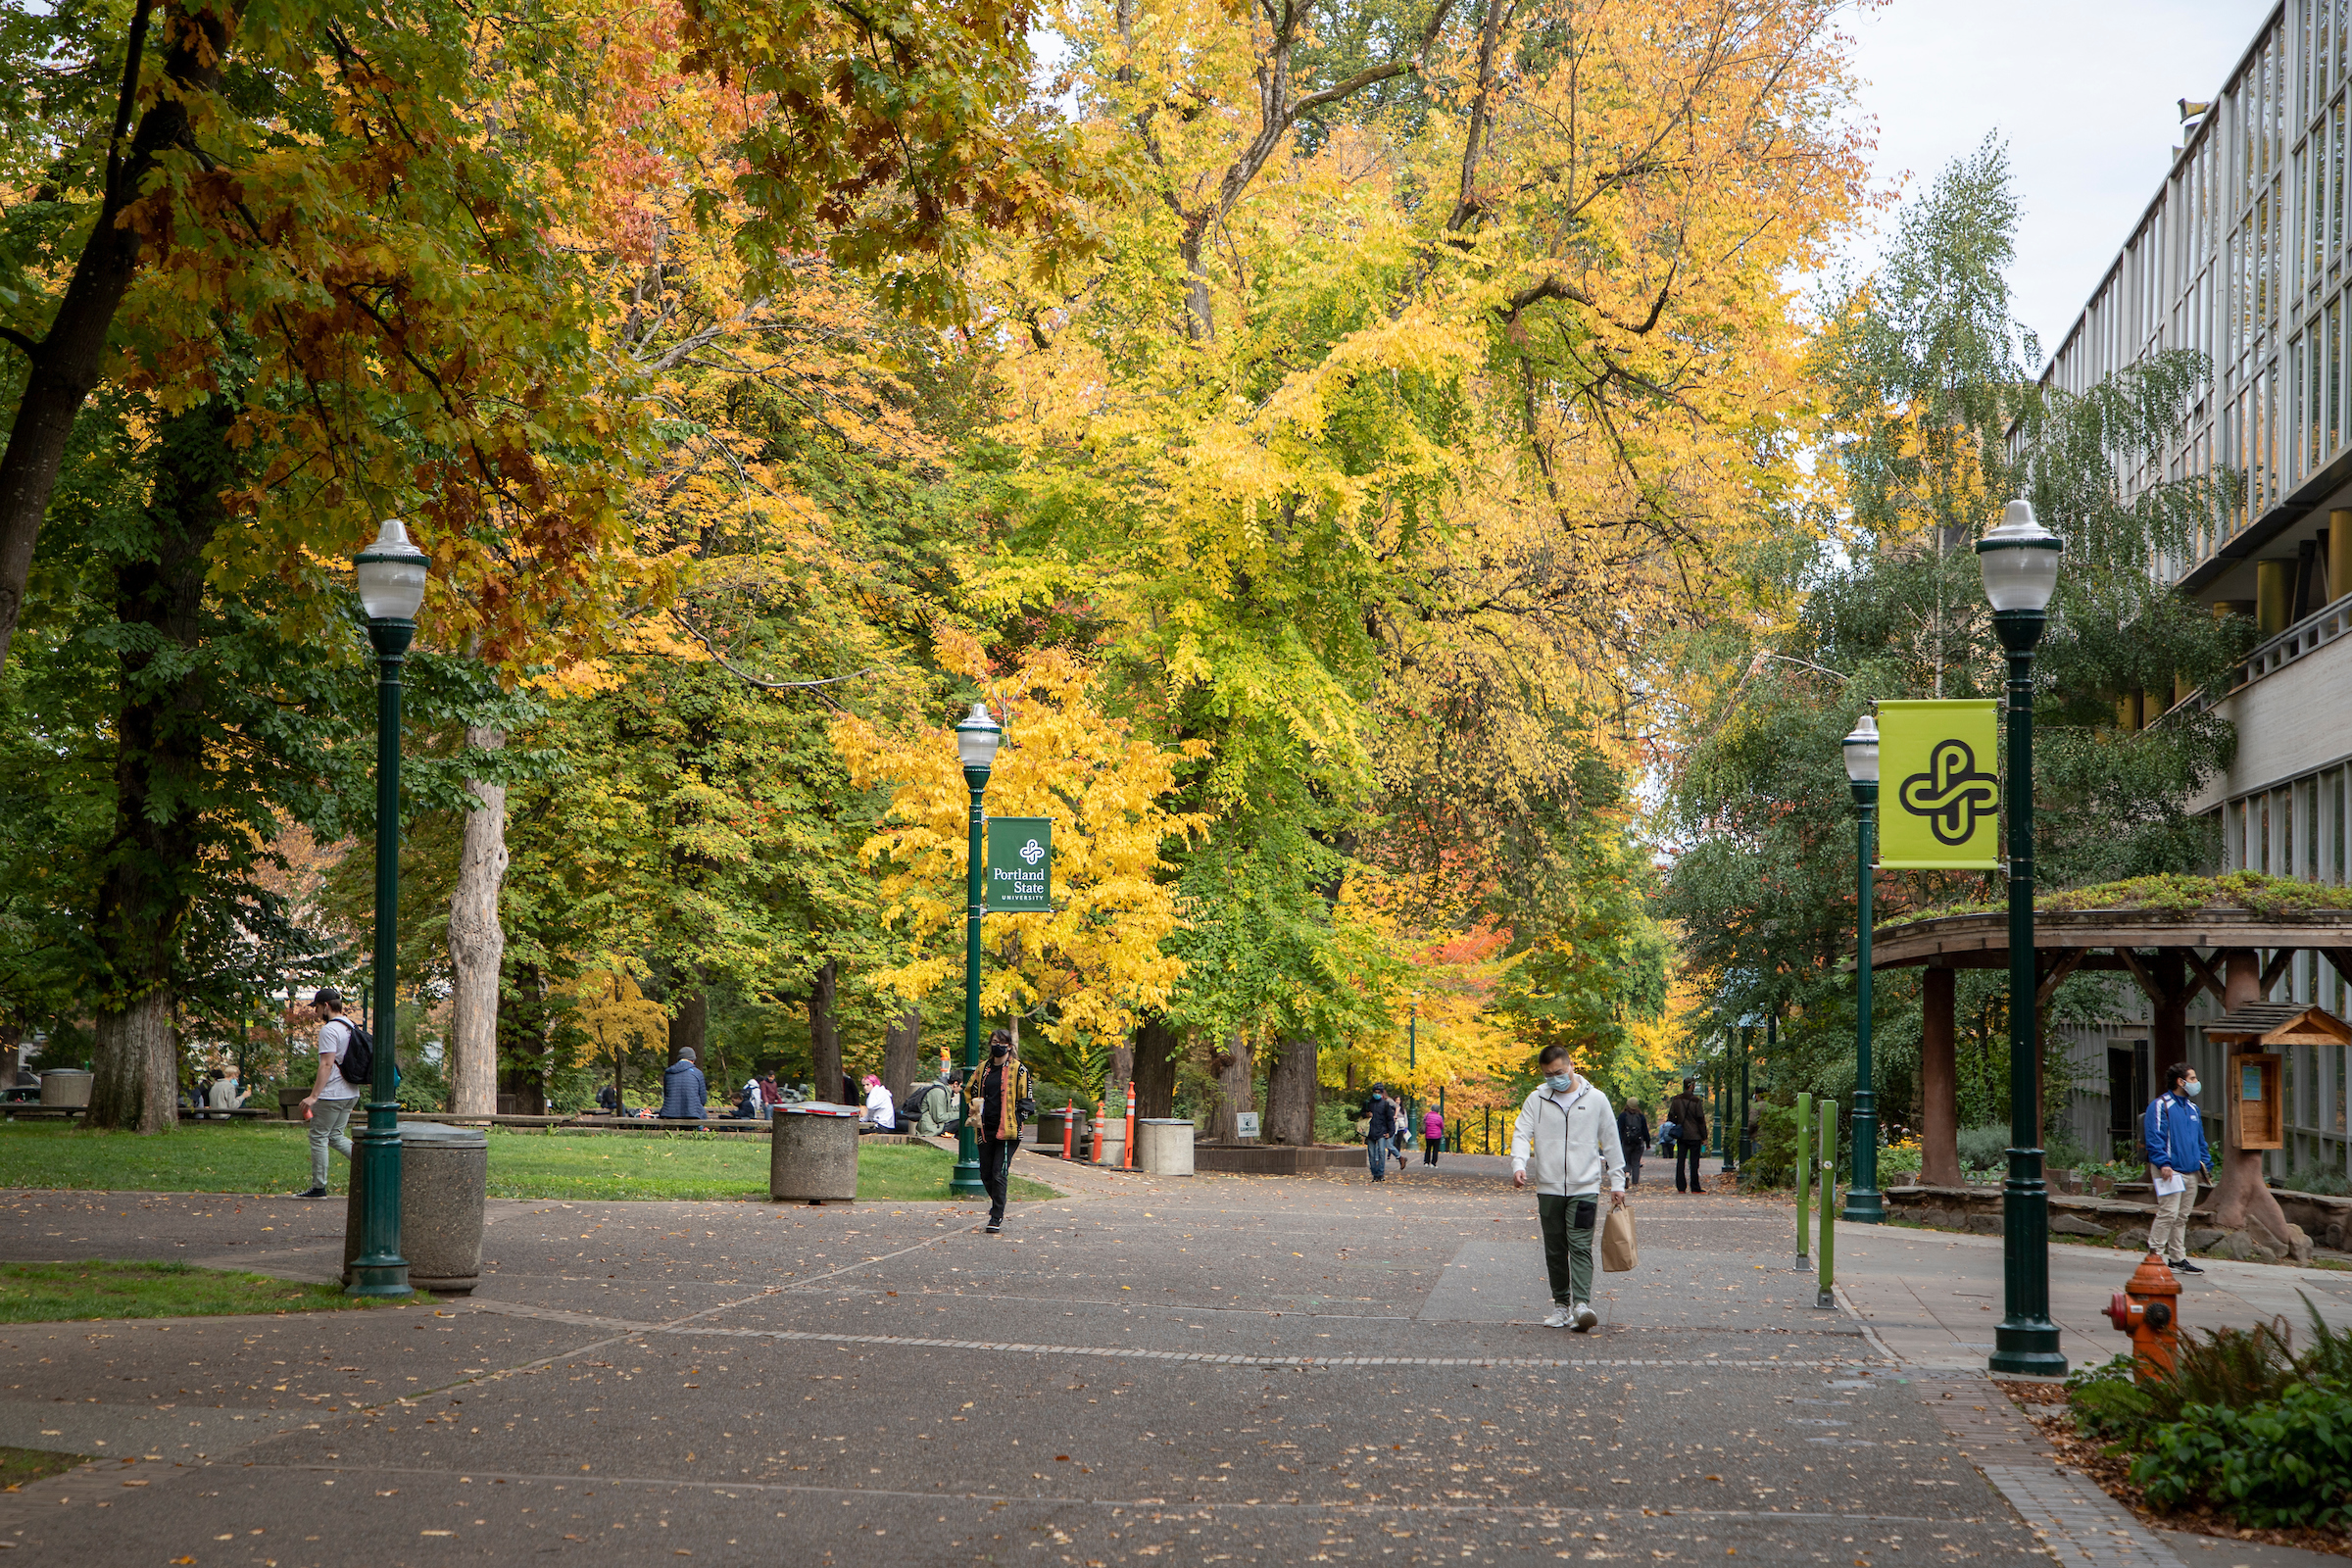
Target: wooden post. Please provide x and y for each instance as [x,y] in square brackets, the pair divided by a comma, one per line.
[1938,1083]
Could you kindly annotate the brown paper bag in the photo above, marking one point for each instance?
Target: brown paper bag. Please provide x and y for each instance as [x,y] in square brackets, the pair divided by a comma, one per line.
[1617,1250]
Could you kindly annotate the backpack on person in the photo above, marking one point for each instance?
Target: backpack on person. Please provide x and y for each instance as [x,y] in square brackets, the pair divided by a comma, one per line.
[357,1064]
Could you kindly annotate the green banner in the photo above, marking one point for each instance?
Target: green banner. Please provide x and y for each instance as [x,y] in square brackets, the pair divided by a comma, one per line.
[1020,863]
[1939,788]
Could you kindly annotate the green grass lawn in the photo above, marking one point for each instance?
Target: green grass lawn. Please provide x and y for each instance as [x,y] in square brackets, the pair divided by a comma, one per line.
[275,1158]
[60,1292]
[20,1465]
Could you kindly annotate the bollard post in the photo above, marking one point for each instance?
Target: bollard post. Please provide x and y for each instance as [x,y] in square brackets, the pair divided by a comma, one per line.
[1101,1120]
[1804,1181]
[1828,1205]
[1069,1126]
[1127,1154]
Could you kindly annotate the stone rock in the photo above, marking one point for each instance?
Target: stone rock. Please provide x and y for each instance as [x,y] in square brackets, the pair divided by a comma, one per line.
[2248,1244]
[2076,1225]
[2298,1244]
[2334,1237]
[2201,1240]
[1983,1224]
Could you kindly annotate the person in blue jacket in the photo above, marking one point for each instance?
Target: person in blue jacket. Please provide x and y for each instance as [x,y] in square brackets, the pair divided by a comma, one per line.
[2175,1134]
[685,1092]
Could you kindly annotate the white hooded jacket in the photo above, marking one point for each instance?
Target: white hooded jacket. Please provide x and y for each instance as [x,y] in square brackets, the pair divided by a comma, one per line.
[1568,1142]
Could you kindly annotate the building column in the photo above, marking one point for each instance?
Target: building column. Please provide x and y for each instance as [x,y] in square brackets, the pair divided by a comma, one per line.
[1938,1082]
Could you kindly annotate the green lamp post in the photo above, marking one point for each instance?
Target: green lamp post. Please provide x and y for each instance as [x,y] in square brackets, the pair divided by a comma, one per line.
[1862,1201]
[976,741]
[391,573]
[2019,561]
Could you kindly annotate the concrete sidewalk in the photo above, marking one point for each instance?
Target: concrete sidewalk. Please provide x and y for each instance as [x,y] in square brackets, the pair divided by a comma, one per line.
[1932,1297]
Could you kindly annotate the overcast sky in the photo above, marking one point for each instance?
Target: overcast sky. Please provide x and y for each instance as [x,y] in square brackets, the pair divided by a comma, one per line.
[2081,90]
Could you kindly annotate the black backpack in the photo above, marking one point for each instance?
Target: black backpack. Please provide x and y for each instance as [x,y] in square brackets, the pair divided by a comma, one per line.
[357,1065]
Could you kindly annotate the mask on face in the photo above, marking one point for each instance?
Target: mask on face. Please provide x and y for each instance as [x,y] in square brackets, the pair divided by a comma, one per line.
[1561,1082]
[2191,1088]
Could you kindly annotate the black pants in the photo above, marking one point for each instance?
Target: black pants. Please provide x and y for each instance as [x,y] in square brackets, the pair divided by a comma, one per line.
[995,1174]
[1688,1155]
[1633,1166]
[1429,1151]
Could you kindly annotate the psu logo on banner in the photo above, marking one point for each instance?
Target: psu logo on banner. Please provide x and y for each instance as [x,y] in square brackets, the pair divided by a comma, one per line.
[1940,790]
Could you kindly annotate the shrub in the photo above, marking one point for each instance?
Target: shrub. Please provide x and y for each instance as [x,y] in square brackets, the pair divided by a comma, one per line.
[2279,1463]
[1901,1160]
[2324,1181]
[1983,1147]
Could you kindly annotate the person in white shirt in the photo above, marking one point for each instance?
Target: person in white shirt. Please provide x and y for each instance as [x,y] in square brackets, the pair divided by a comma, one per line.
[881,1112]
[1568,1134]
[329,1103]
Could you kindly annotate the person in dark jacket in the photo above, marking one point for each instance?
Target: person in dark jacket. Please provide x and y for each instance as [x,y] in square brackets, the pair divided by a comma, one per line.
[1632,1133]
[1383,1113]
[684,1091]
[2177,1156]
[1688,1113]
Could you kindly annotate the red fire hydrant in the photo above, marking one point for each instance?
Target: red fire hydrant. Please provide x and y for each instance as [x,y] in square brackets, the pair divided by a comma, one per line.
[2144,1309]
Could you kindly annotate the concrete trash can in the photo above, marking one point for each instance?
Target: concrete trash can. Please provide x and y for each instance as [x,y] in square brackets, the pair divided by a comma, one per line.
[1049,1131]
[1164,1146]
[1110,1143]
[66,1086]
[444,1180]
[813,1159]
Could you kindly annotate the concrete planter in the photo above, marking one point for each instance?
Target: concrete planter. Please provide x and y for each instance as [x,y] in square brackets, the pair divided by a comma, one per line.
[444,1176]
[815,1157]
[1164,1145]
[69,1087]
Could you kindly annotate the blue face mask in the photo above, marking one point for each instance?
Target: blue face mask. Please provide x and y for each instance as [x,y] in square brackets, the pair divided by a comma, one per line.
[1560,1082]
[2191,1088]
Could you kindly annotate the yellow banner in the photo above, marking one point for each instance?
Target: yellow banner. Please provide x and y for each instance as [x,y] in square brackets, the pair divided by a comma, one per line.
[1939,785]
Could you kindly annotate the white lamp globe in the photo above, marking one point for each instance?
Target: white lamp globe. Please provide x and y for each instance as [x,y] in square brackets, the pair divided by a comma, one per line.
[391,573]
[2019,561]
[1862,752]
[977,737]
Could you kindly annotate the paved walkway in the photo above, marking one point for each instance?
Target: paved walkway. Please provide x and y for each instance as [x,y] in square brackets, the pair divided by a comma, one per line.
[1220,1369]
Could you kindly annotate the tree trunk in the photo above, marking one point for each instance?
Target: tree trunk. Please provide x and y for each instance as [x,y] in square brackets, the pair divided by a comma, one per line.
[1236,1088]
[1938,1082]
[136,1082]
[477,942]
[2241,1197]
[1121,1071]
[154,862]
[1291,1088]
[1156,1047]
[824,1033]
[901,1053]
[64,366]
[690,1028]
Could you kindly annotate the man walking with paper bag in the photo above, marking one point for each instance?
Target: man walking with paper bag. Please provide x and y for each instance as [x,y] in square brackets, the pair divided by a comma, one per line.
[1565,1140]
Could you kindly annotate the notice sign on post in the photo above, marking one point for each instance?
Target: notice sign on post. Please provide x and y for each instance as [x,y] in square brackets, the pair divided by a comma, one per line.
[1940,790]
[1020,863]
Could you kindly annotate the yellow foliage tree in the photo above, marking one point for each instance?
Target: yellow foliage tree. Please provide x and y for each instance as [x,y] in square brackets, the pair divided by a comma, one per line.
[1089,968]
[618,1016]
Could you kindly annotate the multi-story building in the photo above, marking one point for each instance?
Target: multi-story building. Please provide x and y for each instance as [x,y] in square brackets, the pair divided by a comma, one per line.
[2244,254]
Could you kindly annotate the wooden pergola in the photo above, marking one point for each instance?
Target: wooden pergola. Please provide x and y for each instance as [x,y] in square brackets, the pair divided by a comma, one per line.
[2171,954]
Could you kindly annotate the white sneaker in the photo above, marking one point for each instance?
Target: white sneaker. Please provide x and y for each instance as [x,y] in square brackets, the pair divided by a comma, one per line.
[1559,1318]
[1585,1317]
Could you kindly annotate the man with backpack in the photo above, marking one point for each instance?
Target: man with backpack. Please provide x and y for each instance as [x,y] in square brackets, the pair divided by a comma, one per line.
[327,1107]
[1380,1130]
[1633,1135]
[1688,1115]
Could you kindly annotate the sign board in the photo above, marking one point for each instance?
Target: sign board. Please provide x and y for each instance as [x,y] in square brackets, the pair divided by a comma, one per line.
[1020,863]
[1244,1124]
[1939,793]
